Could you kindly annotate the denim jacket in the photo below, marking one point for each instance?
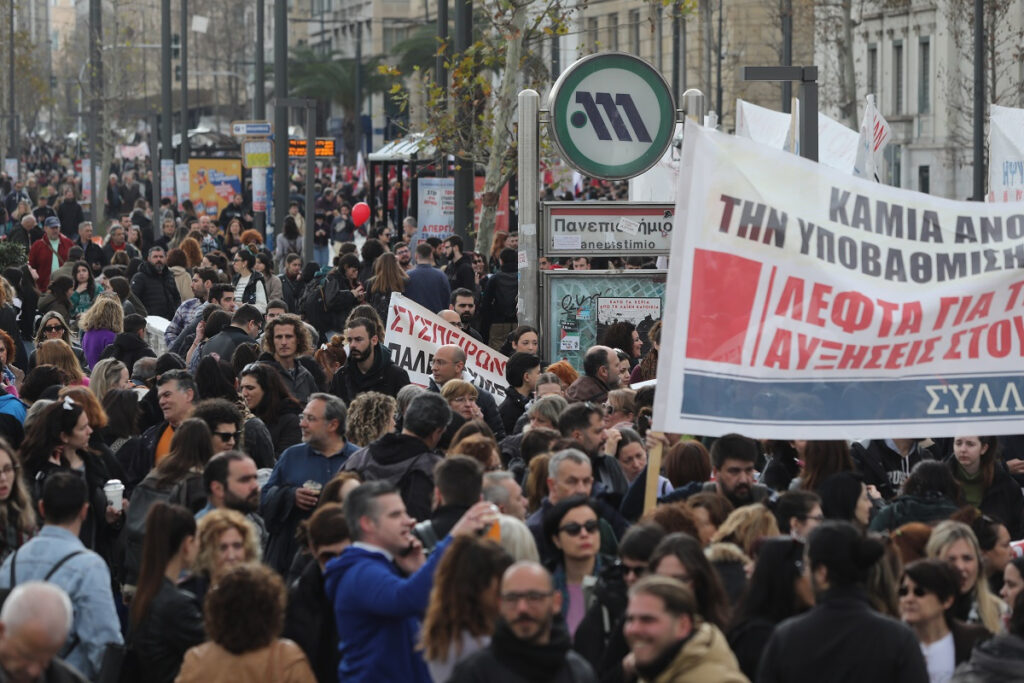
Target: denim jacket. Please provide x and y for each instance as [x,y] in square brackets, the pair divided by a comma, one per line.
[86,580]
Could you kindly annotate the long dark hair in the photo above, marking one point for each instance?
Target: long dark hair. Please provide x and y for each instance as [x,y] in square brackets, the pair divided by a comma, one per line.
[43,435]
[191,448]
[277,398]
[122,407]
[771,593]
[167,527]
[707,587]
[91,281]
[216,379]
[823,459]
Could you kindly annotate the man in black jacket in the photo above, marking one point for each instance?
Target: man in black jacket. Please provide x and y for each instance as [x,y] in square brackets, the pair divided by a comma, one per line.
[368,367]
[70,214]
[246,324]
[531,642]
[155,287]
[130,345]
[499,300]
[460,265]
[92,252]
[521,371]
[458,480]
[407,460]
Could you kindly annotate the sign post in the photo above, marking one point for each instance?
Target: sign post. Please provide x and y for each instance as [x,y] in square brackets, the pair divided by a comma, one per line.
[257,153]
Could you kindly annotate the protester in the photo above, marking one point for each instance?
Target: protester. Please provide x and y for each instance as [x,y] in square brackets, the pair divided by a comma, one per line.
[369,367]
[267,395]
[243,619]
[927,593]
[463,605]
[734,457]
[600,375]
[36,619]
[681,557]
[572,525]
[530,642]
[984,481]
[797,513]
[377,610]
[371,415]
[955,543]
[929,494]
[841,635]
[226,540]
[844,496]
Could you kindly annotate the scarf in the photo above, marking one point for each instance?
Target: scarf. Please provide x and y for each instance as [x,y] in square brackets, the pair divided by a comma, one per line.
[651,671]
[532,661]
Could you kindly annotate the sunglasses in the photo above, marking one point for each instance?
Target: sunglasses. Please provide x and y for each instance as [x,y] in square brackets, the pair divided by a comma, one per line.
[918,591]
[53,328]
[227,436]
[626,570]
[574,528]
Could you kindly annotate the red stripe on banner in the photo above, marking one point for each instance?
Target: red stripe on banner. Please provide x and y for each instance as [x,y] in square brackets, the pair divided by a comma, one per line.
[764,314]
[722,296]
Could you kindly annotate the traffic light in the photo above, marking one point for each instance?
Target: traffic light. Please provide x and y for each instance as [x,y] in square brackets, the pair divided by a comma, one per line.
[175,46]
[177,72]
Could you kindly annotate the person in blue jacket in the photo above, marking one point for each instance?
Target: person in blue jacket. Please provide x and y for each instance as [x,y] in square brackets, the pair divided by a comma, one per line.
[380,585]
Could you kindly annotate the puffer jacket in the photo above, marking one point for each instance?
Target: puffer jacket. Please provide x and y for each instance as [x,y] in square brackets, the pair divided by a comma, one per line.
[705,656]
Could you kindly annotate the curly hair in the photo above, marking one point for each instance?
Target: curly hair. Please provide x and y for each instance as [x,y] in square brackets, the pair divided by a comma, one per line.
[245,611]
[369,415]
[250,237]
[469,569]
[302,340]
[106,313]
[673,518]
[481,448]
[215,523]
[649,363]
[58,353]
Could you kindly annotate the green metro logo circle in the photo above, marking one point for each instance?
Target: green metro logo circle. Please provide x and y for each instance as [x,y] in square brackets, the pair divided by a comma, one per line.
[612,115]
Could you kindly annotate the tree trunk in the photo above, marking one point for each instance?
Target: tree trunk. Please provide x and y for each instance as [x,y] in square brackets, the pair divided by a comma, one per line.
[504,106]
[848,105]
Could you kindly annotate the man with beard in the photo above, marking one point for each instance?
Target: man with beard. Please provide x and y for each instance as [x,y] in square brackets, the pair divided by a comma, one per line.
[232,483]
[600,375]
[154,285]
[667,639]
[202,281]
[464,303]
[584,424]
[368,367]
[733,457]
[92,252]
[530,642]
[404,255]
[292,285]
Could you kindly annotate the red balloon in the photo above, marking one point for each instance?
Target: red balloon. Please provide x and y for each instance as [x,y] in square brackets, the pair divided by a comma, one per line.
[360,213]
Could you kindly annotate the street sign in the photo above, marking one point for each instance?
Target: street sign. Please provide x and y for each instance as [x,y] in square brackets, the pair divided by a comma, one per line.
[324,148]
[612,115]
[241,129]
[602,228]
[257,153]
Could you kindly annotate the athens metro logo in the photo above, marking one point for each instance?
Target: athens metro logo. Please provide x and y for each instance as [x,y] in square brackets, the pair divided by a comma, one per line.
[611,105]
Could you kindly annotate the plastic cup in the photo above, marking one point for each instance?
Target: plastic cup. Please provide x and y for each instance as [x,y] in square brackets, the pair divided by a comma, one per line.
[114,490]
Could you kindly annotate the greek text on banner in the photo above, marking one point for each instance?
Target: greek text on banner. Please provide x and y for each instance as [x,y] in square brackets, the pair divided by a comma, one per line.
[414,334]
[816,305]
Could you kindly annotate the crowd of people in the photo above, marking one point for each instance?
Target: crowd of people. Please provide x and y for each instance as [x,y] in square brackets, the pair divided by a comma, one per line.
[260,493]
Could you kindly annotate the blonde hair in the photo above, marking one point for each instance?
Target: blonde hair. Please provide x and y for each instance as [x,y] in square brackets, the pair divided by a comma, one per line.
[215,523]
[989,606]
[517,540]
[746,525]
[457,388]
[58,353]
[106,313]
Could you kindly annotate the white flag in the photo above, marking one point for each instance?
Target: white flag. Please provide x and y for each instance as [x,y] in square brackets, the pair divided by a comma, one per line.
[874,136]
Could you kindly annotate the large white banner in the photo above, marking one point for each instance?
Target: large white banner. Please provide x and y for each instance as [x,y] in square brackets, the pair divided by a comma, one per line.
[837,144]
[1006,154]
[413,335]
[813,304]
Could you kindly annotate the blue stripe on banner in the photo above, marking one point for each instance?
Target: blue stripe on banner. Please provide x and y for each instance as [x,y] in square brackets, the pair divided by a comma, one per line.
[964,397]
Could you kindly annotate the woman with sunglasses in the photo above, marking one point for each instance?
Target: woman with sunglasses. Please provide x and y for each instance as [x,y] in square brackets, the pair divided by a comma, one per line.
[779,588]
[53,326]
[955,543]
[309,619]
[573,527]
[927,593]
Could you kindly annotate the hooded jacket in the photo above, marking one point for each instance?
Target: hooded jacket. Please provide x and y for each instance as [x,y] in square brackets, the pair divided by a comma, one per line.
[705,656]
[128,348]
[378,615]
[930,508]
[405,462]
[500,296]
[383,376]
[157,290]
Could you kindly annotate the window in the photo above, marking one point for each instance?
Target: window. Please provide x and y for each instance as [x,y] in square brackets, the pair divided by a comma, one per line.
[893,155]
[897,77]
[924,180]
[393,36]
[634,32]
[873,70]
[924,67]
[613,32]
[592,34]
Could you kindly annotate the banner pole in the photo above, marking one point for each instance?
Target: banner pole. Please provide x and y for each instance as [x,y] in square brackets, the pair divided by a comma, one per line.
[653,472]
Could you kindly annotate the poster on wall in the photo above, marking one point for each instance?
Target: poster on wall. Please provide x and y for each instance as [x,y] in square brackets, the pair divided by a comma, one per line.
[181,183]
[642,312]
[435,209]
[213,182]
[166,178]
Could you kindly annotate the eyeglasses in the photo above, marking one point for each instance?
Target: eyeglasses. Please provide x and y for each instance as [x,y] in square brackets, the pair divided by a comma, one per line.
[609,409]
[574,528]
[227,436]
[919,591]
[8,471]
[53,328]
[531,597]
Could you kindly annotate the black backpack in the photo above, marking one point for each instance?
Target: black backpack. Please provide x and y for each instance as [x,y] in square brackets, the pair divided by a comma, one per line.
[134,531]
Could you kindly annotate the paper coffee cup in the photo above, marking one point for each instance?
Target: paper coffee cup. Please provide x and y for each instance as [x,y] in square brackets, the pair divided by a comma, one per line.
[114,491]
